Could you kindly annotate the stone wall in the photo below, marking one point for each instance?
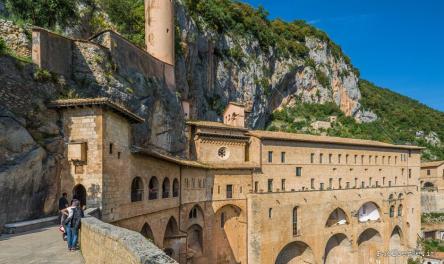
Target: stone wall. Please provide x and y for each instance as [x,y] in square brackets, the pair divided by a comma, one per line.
[432,202]
[16,38]
[105,243]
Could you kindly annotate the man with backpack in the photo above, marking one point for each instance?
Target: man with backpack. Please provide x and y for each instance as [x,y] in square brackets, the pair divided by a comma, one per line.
[72,224]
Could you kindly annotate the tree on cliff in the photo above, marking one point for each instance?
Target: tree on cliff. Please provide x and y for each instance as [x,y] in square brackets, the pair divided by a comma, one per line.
[44,13]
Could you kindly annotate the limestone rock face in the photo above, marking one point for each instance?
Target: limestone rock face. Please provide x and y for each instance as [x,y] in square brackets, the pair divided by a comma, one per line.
[16,37]
[262,80]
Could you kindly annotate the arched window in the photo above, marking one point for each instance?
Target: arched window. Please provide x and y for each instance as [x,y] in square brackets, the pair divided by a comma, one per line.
[193,213]
[175,188]
[400,210]
[153,188]
[166,188]
[295,221]
[136,190]
[391,197]
[392,211]
[400,196]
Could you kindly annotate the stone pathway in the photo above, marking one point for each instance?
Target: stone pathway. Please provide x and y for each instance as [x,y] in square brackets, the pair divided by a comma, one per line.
[43,245]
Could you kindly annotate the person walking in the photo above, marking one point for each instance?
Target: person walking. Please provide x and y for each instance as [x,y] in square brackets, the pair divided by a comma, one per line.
[63,204]
[72,224]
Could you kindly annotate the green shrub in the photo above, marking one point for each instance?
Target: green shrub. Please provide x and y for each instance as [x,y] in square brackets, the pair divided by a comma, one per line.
[44,13]
[42,75]
[323,79]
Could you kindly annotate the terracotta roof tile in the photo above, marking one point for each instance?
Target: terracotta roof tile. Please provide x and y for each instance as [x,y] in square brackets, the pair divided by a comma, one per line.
[65,103]
[212,124]
[324,139]
[432,164]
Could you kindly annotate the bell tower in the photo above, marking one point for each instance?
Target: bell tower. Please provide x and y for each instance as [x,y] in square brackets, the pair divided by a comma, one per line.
[159,29]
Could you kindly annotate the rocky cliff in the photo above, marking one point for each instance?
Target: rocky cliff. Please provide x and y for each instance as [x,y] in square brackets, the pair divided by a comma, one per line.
[214,68]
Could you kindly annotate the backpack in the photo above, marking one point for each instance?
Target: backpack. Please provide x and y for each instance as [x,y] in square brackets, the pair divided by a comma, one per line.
[75,219]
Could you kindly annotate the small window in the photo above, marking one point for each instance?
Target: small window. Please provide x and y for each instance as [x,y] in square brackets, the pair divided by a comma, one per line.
[346,159]
[390,183]
[229,191]
[429,172]
[330,156]
[339,158]
[256,186]
[362,184]
[298,171]
[321,186]
[218,189]
[392,211]
[312,157]
[340,183]
[362,159]
[110,148]
[222,220]
[347,185]
[270,156]
[283,184]
[312,183]
[383,181]
[330,183]
[269,212]
[410,173]
[118,155]
[223,153]
[320,157]
[295,221]
[400,210]
[282,157]
[270,185]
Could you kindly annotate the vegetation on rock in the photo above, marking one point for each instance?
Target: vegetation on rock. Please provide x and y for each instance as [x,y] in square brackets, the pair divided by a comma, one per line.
[399,120]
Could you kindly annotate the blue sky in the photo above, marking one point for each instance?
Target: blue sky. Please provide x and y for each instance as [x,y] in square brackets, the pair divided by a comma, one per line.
[397,44]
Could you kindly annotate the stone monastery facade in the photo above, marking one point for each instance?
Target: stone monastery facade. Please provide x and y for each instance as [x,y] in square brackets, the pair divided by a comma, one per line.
[240,195]
[245,196]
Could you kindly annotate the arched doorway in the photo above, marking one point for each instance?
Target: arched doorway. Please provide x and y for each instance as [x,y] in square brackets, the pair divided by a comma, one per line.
[171,239]
[79,193]
[338,249]
[147,232]
[166,188]
[295,253]
[229,234]
[396,244]
[369,242]
[195,242]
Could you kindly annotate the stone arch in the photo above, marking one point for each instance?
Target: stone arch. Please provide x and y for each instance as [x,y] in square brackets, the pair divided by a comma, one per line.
[166,188]
[136,189]
[175,188]
[147,232]
[369,242]
[79,193]
[195,241]
[171,239]
[369,211]
[338,249]
[337,217]
[428,185]
[230,233]
[294,253]
[153,188]
[396,244]
[196,215]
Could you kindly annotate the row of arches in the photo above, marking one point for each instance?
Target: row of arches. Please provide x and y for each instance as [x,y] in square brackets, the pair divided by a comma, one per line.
[137,189]
[227,235]
[339,248]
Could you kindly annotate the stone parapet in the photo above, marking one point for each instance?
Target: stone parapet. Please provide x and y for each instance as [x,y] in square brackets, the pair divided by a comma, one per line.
[105,243]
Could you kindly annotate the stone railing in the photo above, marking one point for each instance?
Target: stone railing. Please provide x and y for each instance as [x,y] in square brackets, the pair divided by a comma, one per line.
[105,243]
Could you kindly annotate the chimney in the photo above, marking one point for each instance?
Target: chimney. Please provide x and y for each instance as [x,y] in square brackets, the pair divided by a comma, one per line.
[234,114]
[159,29]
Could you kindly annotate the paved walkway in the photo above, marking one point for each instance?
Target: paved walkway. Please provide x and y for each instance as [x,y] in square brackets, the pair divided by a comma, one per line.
[38,246]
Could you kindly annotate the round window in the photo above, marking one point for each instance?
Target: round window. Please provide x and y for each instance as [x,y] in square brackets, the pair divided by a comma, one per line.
[223,153]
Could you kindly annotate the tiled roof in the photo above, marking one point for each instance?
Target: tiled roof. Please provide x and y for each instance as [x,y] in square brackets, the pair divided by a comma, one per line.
[432,164]
[212,124]
[436,255]
[324,139]
[189,163]
[65,103]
